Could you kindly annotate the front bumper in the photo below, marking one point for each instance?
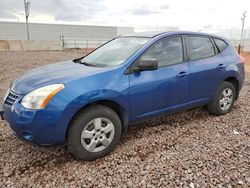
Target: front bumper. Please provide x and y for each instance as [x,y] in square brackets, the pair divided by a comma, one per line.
[44,127]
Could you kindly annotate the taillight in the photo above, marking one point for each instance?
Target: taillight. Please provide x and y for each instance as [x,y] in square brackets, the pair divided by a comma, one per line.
[242,60]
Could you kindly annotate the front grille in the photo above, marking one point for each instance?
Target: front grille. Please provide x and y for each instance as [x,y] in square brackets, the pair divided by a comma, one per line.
[11,98]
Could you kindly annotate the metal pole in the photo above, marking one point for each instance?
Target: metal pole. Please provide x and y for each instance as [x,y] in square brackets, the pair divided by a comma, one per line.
[243,24]
[26,7]
[27,27]
[242,30]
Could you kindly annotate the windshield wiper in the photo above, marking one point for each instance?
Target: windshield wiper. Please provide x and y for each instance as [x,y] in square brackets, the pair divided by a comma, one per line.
[87,64]
[78,59]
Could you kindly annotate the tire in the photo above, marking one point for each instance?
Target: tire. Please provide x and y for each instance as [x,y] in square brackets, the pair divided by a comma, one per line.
[94,132]
[218,106]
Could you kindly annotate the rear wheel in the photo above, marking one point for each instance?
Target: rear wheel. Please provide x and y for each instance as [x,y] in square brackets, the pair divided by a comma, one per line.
[224,99]
[94,132]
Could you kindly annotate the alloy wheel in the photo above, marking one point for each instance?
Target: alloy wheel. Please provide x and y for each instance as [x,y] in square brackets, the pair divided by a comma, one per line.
[226,99]
[97,134]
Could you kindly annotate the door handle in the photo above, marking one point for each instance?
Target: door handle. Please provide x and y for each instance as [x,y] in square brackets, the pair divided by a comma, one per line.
[182,74]
[220,66]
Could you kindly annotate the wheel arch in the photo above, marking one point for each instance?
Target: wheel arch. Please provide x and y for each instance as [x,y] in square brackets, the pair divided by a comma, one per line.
[115,106]
[236,84]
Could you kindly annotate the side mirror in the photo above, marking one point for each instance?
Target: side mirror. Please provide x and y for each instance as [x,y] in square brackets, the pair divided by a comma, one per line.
[144,65]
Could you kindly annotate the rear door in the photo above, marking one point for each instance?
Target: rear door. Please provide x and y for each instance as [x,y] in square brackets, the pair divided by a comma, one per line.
[153,92]
[206,67]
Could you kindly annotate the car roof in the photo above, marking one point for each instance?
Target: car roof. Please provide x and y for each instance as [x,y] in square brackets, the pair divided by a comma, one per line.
[152,34]
[147,34]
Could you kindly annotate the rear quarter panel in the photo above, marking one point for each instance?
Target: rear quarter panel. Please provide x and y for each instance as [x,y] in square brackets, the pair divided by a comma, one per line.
[235,68]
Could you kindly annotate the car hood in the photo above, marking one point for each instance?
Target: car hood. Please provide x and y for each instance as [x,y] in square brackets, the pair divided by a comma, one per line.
[52,74]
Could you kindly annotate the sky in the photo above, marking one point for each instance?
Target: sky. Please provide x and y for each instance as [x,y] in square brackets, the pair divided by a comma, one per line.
[191,14]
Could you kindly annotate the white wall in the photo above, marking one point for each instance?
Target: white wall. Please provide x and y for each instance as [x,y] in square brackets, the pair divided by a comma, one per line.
[25,45]
[17,31]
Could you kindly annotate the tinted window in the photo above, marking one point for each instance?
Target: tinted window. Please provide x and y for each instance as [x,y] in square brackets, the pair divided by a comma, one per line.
[166,52]
[220,44]
[199,47]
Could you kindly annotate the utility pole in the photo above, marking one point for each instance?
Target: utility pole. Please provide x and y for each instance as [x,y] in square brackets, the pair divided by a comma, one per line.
[243,24]
[242,29]
[27,13]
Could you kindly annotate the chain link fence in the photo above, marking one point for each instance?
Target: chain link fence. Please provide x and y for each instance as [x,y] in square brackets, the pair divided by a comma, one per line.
[88,44]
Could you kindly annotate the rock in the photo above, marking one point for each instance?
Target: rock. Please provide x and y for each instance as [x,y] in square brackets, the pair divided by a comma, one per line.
[247,180]
[248,133]
[236,132]
[129,184]
[191,185]
[240,182]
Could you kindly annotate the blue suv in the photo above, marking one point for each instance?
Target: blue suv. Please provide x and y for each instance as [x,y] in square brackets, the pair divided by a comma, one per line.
[89,102]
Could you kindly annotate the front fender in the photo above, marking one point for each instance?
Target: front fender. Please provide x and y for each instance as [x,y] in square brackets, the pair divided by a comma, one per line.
[91,97]
[105,94]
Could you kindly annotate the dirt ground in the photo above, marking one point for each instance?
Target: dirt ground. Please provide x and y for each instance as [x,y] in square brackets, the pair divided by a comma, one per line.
[246,56]
[186,149]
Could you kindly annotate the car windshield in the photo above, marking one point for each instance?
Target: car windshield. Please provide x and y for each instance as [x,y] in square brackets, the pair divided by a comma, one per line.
[114,52]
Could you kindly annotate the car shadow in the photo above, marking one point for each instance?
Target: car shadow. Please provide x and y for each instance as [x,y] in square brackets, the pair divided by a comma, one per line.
[174,119]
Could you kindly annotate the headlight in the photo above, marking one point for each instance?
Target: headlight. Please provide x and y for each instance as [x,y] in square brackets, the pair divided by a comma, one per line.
[39,98]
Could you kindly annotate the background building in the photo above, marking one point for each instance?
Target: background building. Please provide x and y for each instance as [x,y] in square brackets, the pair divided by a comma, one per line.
[38,31]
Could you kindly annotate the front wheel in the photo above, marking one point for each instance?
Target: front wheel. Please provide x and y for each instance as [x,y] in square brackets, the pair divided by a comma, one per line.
[224,99]
[94,132]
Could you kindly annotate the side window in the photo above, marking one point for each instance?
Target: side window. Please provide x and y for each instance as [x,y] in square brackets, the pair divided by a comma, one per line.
[199,47]
[167,52]
[220,44]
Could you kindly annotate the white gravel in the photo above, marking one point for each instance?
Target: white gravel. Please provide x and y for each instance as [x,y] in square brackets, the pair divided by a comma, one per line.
[186,149]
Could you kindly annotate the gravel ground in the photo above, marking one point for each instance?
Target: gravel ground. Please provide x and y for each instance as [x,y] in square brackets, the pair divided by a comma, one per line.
[186,149]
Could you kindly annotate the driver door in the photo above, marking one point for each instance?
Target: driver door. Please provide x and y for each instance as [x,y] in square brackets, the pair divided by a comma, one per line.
[153,92]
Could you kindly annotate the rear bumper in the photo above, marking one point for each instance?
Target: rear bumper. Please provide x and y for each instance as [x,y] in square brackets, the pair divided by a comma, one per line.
[242,77]
[1,112]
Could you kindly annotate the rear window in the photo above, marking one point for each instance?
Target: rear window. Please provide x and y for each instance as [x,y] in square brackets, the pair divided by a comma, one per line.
[199,47]
[221,44]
